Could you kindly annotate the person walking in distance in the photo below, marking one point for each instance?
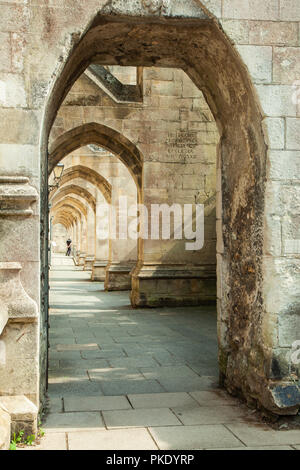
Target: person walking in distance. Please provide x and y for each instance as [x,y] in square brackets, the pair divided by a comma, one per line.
[69,243]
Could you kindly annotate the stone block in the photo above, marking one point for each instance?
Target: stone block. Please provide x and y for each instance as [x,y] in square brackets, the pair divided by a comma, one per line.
[273,33]
[251,9]
[96,403]
[5,52]
[293,136]
[5,428]
[12,91]
[275,132]
[211,414]
[161,400]
[255,435]
[286,64]
[194,437]
[237,30]
[276,100]
[89,420]
[23,414]
[140,418]
[259,62]
[19,126]
[123,439]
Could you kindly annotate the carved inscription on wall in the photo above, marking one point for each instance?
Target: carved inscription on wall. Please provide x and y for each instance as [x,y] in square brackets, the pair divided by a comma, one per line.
[181,147]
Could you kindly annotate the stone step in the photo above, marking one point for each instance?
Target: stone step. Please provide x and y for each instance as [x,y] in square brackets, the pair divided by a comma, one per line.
[23,414]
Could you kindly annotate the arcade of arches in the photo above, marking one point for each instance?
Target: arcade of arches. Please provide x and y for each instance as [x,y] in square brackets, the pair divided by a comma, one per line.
[155,103]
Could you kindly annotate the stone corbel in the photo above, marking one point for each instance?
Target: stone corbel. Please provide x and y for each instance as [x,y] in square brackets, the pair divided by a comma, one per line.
[16,196]
[16,305]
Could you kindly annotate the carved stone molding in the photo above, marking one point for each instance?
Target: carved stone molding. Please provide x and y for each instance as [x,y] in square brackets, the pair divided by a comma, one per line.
[16,196]
[18,304]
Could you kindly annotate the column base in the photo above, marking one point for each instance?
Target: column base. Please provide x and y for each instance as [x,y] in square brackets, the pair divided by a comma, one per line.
[173,285]
[118,276]
[76,257]
[98,270]
[81,259]
[88,263]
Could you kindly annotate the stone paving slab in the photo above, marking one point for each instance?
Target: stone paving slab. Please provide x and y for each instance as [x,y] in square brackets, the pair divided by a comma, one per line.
[77,347]
[73,421]
[141,361]
[67,375]
[140,418]
[125,439]
[96,403]
[166,372]
[258,448]
[117,373]
[257,435]
[197,414]
[126,387]
[178,384]
[82,388]
[83,364]
[194,437]
[103,354]
[161,400]
[51,441]
[214,397]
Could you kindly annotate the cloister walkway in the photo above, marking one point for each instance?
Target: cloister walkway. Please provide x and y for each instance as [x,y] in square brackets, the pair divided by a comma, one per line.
[123,378]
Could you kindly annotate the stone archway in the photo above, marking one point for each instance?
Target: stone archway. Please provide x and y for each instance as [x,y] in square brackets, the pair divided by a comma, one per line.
[95,133]
[206,54]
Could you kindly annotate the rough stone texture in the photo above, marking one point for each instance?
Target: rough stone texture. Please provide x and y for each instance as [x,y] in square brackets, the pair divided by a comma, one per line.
[44,52]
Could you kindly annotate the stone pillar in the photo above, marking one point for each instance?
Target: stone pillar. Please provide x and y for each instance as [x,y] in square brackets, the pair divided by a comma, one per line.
[90,237]
[83,240]
[19,337]
[169,273]
[102,244]
[123,251]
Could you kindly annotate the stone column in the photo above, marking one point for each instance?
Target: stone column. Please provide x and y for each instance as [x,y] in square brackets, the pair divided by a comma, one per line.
[102,244]
[83,241]
[123,249]
[90,237]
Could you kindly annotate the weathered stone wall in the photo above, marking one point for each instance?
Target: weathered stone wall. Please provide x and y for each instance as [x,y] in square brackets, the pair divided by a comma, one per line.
[176,133]
[259,297]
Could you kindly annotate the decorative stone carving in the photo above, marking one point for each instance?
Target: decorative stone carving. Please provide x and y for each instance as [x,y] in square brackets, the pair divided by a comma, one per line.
[16,196]
[19,306]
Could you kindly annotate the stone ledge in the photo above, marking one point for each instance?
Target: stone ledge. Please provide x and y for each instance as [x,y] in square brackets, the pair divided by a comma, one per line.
[20,307]
[16,196]
[23,413]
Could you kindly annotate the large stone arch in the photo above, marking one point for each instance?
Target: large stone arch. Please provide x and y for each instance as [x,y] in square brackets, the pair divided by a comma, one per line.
[95,133]
[71,202]
[74,189]
[138,36]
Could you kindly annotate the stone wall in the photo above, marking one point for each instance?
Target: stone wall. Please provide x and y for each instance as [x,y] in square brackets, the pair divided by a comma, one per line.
[245,58]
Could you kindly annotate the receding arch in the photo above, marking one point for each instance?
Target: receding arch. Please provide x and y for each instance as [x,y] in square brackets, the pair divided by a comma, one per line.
[99,134]
[201,48]
[73,204]
[74,189]
[80,171]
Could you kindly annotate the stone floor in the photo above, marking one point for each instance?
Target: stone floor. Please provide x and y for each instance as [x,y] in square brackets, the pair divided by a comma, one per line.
[123,379]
